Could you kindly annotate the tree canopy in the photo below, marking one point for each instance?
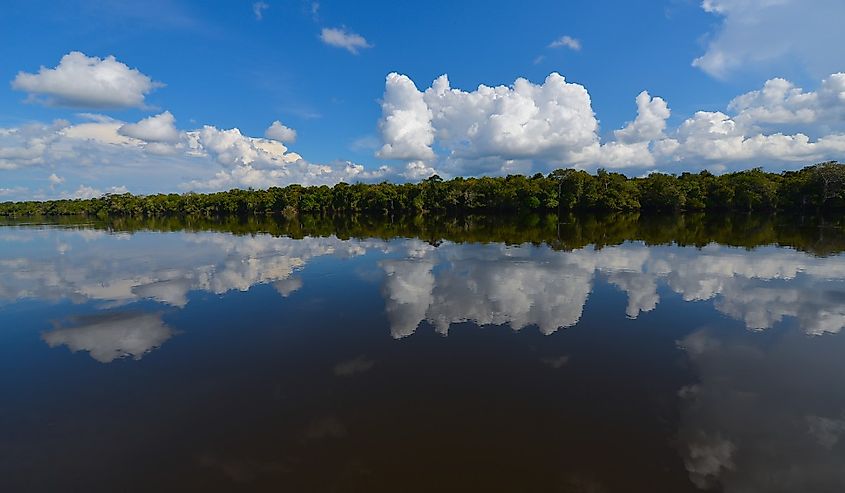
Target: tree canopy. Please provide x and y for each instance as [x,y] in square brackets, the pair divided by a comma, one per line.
[817,187]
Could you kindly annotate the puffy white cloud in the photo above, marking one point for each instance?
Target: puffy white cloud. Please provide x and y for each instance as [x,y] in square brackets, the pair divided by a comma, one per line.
[155,156]
[751,36]
[536,127]
[89,82]
[566,42]
[157,128]
[280,132]
[526,120]
[652,113]
[341,38]
[232,148]
[418,170]
[523,128]
[259,163]
[714,136]
[553,120]
[110,337]
[406,121]
[780,102]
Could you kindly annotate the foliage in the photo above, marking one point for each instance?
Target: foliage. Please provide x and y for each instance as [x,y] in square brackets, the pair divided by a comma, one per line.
[817,187]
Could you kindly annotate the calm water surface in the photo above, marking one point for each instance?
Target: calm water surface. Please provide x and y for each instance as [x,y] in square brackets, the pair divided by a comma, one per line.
[152,359]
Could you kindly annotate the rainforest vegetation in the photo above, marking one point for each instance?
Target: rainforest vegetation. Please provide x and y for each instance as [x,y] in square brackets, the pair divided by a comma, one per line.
[817,187]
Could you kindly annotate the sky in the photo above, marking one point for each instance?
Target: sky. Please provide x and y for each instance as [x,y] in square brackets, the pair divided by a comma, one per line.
[179,95]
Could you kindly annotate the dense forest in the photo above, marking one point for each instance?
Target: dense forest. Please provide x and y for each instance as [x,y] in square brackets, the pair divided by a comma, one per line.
[817,187]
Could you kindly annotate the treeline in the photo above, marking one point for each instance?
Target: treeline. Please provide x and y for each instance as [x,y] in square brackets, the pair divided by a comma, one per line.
[817,187]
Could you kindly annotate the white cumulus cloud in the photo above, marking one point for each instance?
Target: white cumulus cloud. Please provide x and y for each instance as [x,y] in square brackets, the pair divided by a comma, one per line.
[406,121]
[87,82]
[528,127]
[280,132]
[157,128]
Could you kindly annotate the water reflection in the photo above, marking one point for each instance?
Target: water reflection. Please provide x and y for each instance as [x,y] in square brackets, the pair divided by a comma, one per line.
[538,286]
[483,283]
[120,269]
[723,363]
[109,336]
[765,418]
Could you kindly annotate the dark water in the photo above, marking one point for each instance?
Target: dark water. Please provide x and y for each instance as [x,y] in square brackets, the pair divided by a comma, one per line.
[574,354]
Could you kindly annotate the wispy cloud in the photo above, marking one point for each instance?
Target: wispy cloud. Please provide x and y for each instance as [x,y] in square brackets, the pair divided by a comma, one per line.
[258,9]
[341,38]
[566,42]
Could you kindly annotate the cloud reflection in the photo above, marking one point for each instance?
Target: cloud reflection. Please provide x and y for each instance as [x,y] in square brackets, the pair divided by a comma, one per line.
[764,417]
[490,283]
[537,286]
[112,336]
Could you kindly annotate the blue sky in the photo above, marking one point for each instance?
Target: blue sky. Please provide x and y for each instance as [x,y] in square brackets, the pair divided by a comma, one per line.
[320,69]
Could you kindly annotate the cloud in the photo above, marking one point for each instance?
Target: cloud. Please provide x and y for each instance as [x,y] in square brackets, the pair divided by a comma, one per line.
[652,113]
[280,132]
[258,9]
[488,129]
[158,128]
[341,38]
[527,127]
[87,82]
[406,121]
[112,336]
[28,145]
[7,192]
[256,162]
[55,180]
[86,192]
[780,102]
[153,153]
[566,42]
[522,128]
[750,36]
